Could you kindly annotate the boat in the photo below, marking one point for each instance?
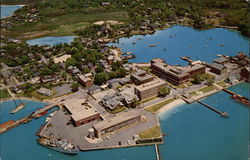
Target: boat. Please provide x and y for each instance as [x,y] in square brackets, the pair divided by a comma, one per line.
[62,145]
[133,43]
[8,123]
[152,45]
[19,107]
[243,100]
[41,114]
[224,114]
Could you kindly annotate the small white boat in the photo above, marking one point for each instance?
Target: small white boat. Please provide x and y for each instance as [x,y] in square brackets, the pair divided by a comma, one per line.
[152,45]
[18,108]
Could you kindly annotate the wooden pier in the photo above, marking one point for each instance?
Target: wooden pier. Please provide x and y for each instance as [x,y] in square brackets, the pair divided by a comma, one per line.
[157,152]
[223,114]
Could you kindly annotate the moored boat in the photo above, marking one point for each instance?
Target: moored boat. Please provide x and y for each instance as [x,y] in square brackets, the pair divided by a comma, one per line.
[152,45]
[62,145]
[243,100]
[19,107]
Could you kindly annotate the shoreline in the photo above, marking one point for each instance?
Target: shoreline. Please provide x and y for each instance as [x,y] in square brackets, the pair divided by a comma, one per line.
[169,107]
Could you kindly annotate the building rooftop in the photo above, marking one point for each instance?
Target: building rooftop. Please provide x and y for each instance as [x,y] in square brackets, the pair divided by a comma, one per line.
[178,71]
[217,66]
[141,75]
[84,79]
[62,58]
[79,110]
[118,118]
[221,60]
[151,84]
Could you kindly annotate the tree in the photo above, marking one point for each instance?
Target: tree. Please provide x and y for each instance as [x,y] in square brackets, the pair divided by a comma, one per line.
[164,91]
[135,102]
[99,69]
[101,78]
[75,87]
[210,81]
[197,79]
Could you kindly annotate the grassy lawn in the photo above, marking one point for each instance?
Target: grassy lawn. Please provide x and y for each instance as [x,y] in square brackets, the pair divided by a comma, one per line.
[221,83]
[158,106]
[148,99]
[207,89]
[117,110]
[4,94]
[151,133]
[203,90]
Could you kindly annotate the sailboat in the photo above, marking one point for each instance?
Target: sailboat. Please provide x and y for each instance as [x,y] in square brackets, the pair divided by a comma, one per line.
[18,107]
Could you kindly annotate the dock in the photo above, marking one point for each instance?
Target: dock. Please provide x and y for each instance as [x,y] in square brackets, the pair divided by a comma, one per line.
[157,152]
[26,119]
[238,97]
[223,114]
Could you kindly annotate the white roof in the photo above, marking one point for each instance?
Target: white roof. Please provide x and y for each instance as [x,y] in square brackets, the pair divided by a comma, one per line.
[78,110]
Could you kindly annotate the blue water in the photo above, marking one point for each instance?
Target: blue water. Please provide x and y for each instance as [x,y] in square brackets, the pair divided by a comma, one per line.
[51,40]
[8,10]
[185,41]
[195,132]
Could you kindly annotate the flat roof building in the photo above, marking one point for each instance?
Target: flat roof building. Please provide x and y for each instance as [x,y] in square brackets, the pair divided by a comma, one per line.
[149,89]
[218,68]
[141,77]
[81,113]
[114,123]
[177,75]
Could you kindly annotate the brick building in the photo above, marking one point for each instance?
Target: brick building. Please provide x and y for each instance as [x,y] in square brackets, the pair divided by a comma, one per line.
[149,89]
[176,75]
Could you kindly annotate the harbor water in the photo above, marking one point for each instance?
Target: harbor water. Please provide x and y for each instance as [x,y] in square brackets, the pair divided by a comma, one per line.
[178,41]
[8,10]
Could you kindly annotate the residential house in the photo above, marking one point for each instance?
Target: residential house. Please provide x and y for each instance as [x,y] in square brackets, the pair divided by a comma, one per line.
[45,91]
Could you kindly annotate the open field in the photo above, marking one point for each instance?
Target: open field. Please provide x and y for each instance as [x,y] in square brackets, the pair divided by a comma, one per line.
[4,94]
[151,133]
[63,24]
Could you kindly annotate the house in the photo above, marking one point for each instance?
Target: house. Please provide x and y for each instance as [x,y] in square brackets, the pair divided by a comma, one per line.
[110,59]
[218,68]
[45,91]
[113,83]
[245,73]
[85,81]
[221,60]
[124,81]
[17,69]
[94,89]
[112,102]
[105,3]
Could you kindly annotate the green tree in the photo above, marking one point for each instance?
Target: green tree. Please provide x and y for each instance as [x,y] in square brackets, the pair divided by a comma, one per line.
[99,69]
[164,91]
[101,78]
[198,79]
[135,102]
[75,87]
